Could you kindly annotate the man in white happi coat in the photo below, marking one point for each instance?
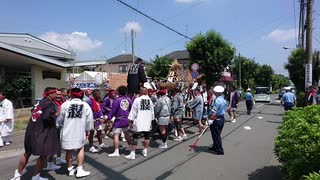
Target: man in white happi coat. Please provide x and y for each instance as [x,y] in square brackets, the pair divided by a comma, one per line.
[141,115]
[75,119]
[6,120]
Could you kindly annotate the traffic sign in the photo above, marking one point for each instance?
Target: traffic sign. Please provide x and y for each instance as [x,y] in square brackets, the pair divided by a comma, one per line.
[195,67]
[194,74]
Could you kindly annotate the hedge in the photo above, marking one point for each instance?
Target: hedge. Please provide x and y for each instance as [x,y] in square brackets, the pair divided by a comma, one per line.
[312,176]
[297,145]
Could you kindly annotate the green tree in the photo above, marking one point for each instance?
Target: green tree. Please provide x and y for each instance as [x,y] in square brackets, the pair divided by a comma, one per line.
[212,53]
[252,73]
[296,68]
[249,71]
[279,81]
[159,68]
[264,77]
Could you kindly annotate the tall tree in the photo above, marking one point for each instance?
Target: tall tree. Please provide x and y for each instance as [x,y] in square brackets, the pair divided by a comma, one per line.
[249,71]
[296,68]
[212,53]
[252,73]
[159,68]
[264,77]
[279,81]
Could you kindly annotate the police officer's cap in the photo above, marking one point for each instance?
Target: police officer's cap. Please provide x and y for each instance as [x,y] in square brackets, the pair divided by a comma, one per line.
[287,88]
[218,89]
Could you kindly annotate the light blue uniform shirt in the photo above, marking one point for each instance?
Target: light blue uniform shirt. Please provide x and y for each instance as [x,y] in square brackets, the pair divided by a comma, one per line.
[218,106]
[249,96]
[289,97]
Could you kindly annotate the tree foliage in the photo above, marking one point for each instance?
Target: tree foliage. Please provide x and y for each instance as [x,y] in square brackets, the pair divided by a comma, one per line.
[279,81]
[296,68]
[252,73]
[159,68]
[212,53]
[264,77]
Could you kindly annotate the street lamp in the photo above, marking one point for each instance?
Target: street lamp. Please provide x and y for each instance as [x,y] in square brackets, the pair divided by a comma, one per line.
[286,47]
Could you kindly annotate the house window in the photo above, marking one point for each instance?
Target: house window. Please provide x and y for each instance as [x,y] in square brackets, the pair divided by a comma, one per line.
[123,68]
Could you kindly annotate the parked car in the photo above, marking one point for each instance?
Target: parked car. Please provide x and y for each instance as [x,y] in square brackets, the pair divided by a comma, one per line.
[282,91]
[262,94]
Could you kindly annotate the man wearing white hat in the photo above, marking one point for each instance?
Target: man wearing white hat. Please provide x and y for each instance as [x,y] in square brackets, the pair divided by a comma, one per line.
[249,101]
[216,119]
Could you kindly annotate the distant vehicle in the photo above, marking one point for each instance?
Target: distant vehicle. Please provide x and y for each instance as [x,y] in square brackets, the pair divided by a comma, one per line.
[282,91]
[262,94]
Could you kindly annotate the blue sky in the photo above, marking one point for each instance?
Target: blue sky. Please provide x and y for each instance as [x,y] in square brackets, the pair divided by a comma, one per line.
[96,30]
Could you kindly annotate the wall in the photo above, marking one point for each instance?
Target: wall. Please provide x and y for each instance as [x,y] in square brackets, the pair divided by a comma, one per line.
[117,80]
[112,68]
[38,84]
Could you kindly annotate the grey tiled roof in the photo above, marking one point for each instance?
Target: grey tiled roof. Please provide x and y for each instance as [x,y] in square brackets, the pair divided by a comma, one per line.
[124,58]
[181,54]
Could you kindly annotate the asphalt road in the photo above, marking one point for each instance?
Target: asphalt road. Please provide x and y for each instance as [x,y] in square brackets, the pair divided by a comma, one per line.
[248,146]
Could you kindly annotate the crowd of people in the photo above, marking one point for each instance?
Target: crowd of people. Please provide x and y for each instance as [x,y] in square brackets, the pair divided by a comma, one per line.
[66,120]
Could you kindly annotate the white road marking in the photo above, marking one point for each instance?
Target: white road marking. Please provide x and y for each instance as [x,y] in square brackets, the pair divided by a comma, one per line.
[259,105]
[247,127]
[277,101]
[259,117]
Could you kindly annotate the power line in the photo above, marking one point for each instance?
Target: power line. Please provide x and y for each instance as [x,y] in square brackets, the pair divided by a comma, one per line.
[154,20]
[165,46]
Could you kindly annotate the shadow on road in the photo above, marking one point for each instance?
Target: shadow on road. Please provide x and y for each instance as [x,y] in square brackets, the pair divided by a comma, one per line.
[172,170]
[105,170]
[266,173]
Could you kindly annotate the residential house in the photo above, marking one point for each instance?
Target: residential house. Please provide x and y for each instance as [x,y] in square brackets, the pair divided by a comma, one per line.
[24,55]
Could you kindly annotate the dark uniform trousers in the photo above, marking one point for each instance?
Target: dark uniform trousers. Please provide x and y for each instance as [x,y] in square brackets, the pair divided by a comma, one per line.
[216,128]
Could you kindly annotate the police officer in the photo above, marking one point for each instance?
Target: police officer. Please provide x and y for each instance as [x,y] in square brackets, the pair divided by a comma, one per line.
[249,101]
[288,99]
[216,119]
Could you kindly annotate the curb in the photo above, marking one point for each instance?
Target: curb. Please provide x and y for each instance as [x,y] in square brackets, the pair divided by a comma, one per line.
[11,153]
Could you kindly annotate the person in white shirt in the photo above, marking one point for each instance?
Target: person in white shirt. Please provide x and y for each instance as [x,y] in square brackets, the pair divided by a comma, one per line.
[75,119]
[141,115]
[6,120]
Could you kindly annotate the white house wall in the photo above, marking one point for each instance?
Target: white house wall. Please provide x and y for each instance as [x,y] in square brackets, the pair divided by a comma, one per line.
[39,84]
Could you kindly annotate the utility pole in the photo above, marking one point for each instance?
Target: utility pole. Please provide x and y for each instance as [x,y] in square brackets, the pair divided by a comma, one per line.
[239,71]
[301,24]
[308,70]
[132,44]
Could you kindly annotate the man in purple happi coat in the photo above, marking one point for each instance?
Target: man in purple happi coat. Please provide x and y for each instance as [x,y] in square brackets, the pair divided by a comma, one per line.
[120,110]
[106,108]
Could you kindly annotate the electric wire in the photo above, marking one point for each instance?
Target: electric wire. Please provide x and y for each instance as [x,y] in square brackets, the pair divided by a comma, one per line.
[152,19]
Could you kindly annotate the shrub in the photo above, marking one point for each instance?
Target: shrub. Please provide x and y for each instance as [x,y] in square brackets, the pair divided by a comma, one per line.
[297,145]
[312,176]
[301,99]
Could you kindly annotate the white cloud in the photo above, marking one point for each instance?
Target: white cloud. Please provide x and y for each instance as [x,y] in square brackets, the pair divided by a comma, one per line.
[131,25]
[76,41]
[281,35]
[186,1]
